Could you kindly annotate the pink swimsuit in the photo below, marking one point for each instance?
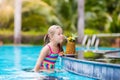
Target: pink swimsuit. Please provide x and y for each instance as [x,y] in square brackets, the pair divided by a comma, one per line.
[50,60]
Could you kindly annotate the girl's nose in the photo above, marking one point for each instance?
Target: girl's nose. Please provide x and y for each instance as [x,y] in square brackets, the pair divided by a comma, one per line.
[62,36]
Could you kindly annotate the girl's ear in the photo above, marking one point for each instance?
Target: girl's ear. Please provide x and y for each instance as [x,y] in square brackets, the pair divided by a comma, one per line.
[48,35]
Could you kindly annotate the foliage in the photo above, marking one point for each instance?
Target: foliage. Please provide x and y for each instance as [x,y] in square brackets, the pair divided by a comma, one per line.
[99,14]
[35,16]
[115,24]
[72,38]
[115,61]
[34,23]
[66,13]
[91,55]
[91,31]
[6,32]
[32,37]
[38,15]
[107,41]
[6,15]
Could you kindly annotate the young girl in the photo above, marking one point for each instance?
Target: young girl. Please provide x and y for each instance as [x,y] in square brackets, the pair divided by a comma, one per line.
[51,50]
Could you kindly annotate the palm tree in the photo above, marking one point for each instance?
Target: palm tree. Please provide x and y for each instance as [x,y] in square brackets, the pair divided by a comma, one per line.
[17,23]
[80,20]
[6,13]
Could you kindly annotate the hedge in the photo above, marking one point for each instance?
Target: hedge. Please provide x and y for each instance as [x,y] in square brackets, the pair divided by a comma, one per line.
[26,39]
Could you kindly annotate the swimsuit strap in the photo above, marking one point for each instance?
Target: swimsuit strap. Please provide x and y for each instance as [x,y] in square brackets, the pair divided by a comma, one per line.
[52,51]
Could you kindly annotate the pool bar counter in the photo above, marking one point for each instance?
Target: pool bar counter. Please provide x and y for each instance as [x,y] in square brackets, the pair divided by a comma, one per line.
[97,70]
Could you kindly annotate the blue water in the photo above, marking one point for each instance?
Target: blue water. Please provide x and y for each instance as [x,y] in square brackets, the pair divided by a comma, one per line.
[100,48]
[13,59]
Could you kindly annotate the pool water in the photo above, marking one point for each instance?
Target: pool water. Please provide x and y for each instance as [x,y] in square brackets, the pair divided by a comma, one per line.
[15,59]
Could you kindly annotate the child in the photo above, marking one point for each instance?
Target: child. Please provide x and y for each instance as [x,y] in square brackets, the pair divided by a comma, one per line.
[51,50]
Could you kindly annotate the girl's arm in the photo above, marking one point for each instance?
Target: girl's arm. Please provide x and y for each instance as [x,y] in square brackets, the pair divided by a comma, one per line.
[61,53]
[43,54]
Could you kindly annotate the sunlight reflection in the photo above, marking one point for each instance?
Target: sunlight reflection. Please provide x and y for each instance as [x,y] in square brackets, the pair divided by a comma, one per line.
[17,58]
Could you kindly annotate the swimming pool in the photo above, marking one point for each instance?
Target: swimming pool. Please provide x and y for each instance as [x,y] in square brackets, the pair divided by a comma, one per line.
[13,59]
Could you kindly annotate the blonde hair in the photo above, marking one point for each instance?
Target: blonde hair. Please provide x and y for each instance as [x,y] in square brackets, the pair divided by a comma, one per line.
[51,32]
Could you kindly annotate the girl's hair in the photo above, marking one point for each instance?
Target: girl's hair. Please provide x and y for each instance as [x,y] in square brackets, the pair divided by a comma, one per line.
[51,32]
[46,39]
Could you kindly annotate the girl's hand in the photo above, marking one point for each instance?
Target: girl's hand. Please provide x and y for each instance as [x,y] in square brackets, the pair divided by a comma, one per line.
[61,53]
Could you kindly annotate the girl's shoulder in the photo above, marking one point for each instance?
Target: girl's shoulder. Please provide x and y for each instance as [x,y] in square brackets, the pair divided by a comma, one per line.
[45,48]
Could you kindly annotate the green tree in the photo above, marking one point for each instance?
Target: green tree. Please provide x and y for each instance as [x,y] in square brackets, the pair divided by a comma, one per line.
[99,14]
[6,14]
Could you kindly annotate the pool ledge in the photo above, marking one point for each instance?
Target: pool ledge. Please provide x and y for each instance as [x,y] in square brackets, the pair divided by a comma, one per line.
[98,70]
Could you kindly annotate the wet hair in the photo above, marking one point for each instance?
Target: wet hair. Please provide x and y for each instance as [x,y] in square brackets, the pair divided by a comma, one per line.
[51,32]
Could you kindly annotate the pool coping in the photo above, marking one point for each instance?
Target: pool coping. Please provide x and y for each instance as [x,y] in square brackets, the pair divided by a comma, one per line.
[96,70]
[92,62]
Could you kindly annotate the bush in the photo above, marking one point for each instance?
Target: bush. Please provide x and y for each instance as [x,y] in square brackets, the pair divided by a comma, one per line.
[34,22]
[91,55]
[115,24]
[91,31]
[27,38]
[35,40]
[115,61]
[107,41]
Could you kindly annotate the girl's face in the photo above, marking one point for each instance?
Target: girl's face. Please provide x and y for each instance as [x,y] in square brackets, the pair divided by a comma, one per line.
[58,36]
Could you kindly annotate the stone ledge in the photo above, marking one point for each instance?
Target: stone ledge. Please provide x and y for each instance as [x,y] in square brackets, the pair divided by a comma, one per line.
[99,70]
